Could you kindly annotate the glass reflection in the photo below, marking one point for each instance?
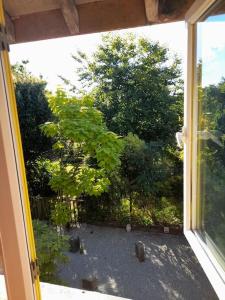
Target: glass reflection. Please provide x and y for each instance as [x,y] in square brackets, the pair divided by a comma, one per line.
[211,127]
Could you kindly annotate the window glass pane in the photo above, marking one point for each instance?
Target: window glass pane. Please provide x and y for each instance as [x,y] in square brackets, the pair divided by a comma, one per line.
[210,130]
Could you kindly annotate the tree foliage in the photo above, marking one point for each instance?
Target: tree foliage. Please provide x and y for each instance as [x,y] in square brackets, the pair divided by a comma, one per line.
[211,159]
[33,111]
[87,151]
[51,249]
[137,85]
[137,164]
[119,129]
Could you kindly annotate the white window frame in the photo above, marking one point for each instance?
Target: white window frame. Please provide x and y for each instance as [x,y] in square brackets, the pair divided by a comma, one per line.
[207,259]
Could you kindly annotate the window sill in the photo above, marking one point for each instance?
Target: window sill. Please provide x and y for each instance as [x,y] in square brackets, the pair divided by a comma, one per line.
[57,292]
[207,261]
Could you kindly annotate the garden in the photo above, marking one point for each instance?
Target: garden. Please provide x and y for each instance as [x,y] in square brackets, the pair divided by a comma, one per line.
[103,152]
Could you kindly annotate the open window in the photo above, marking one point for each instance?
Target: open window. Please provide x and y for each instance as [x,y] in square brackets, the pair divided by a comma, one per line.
[17,255]
[204,133]
[204,136]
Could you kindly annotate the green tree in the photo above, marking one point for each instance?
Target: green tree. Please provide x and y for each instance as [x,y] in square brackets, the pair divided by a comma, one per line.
[141,169]
[86,151]
[137,85]
[33,111]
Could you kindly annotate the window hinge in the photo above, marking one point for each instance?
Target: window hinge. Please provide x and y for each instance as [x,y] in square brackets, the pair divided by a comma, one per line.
[35,272]
[4,44]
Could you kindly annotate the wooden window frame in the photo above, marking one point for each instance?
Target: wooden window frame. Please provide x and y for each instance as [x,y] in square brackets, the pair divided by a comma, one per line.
[16,232]
[15,222]
[206,257]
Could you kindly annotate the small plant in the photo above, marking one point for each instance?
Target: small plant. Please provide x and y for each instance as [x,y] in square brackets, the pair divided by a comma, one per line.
[122,212]
[61,214]
[141,216]
[50,250]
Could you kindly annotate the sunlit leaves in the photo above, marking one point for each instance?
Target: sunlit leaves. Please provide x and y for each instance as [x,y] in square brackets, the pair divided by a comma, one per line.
[88,151]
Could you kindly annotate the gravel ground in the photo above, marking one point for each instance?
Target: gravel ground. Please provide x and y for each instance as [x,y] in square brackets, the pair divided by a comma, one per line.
[170,271]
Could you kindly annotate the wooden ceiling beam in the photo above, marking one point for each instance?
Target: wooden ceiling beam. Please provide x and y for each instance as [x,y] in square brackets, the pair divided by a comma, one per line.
[10,28]
[16,8]
[152,11]
[173,10]
[94,17]
[70,14]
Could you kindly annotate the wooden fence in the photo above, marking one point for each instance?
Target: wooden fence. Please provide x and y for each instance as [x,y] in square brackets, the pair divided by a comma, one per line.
[41,208]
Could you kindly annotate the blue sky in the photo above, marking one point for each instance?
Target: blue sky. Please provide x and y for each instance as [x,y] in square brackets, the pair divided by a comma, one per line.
[212,50]
[53,57]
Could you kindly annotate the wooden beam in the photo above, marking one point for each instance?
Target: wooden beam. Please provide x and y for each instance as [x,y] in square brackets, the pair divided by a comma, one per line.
[10,28]
[152,10]
[70,15]
[93,17]
[17,8]
[173,10]
[45,25]
[79,2]
[1,260]
[110,15]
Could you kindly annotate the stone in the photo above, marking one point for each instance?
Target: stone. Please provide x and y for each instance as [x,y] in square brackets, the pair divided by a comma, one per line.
[128,228]
[166,229]
[74,244]
[82,249]
[140,251]
[90,284]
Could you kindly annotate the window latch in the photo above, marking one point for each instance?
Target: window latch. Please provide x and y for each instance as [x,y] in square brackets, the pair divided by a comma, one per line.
[35,272]
[180,137]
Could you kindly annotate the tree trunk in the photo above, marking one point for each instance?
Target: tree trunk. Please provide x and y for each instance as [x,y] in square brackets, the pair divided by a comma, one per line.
[131,208]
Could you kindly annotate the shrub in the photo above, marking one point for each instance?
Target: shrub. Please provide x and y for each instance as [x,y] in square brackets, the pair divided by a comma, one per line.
[61,214]
[139,216]
[167,213]
[50,250]
[122,212]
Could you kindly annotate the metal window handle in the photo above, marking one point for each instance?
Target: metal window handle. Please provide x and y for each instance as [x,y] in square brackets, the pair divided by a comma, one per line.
[180,137]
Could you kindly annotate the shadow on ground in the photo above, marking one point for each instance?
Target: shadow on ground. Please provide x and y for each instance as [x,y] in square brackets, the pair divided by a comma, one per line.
[170,271]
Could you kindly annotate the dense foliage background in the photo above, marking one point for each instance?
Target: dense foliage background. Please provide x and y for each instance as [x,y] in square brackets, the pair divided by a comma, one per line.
[131,92]
[137,86]
[33,110]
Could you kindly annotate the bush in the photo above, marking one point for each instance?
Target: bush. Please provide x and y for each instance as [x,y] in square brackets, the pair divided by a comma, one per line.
[164,211]
[167,213]
[39,177]
[50,250]
[122,212]
[139,216]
